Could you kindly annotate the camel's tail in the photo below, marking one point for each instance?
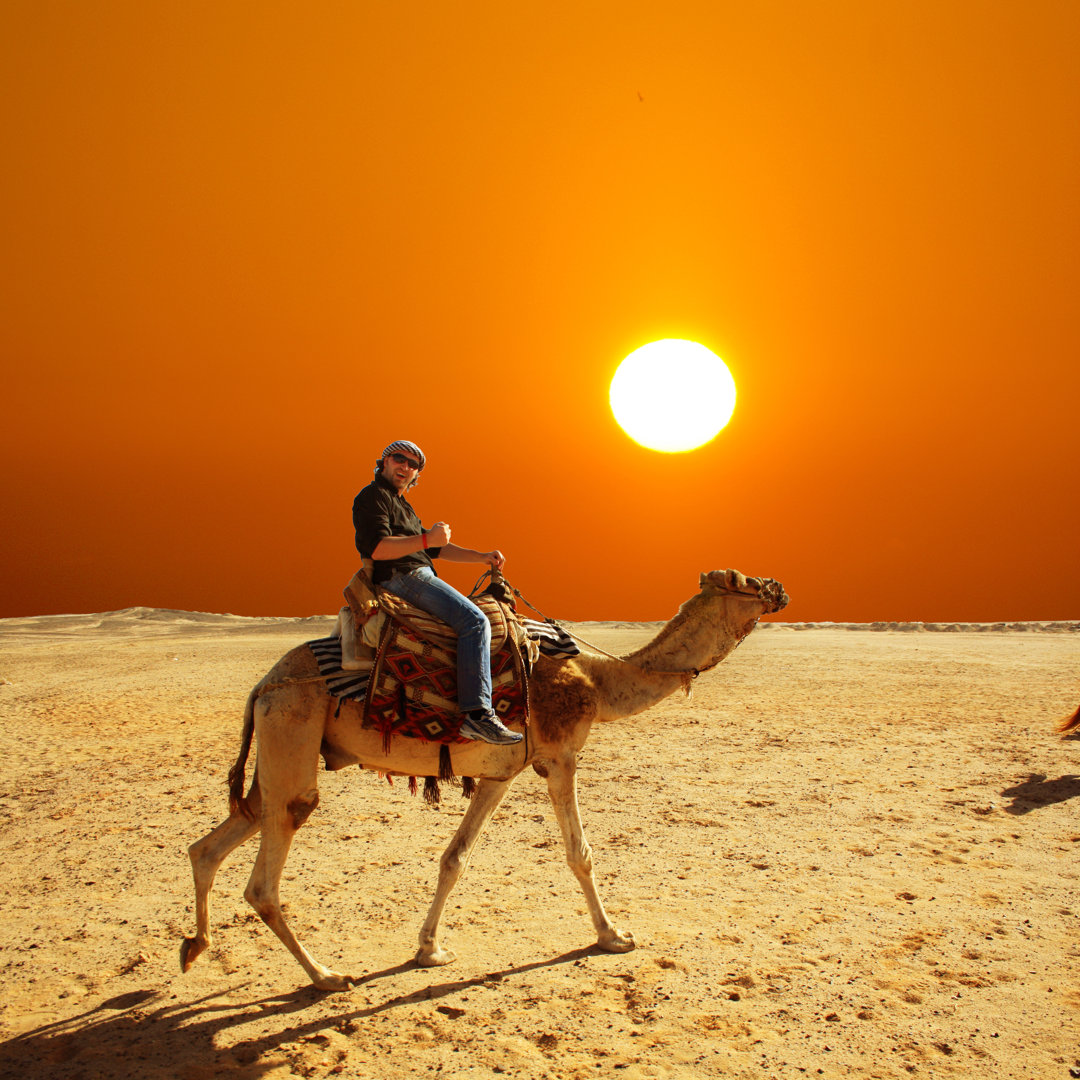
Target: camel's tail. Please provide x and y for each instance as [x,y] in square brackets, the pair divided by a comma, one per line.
[237,800]
[1070,722]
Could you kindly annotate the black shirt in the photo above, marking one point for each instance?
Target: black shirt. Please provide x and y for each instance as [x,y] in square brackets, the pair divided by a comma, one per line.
[378,512]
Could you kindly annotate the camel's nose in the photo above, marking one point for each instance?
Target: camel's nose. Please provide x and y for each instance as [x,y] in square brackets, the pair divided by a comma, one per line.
[778,598]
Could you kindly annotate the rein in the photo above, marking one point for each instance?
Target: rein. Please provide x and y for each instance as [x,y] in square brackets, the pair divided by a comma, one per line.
[688,677]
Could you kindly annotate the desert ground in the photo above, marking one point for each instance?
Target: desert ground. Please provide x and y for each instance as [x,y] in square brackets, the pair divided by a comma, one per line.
[854,853]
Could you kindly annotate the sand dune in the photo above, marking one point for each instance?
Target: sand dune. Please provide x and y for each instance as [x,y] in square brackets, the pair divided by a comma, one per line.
[143,619]
[850,855]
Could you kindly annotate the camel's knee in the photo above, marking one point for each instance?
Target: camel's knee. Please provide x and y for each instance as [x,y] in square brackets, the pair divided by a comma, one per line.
[580,859]
[205,860]
[453,860]
[264,901]
[210,852]
[198,853]
[302,807]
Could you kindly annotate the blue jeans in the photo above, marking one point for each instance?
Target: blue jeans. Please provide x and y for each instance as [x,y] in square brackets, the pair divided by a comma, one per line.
[429,593]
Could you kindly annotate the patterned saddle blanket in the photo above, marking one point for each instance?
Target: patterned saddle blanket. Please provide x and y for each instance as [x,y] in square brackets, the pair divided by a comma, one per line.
[411,688]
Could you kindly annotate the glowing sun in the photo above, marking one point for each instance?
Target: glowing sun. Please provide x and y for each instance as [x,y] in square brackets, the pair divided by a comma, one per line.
[672,395]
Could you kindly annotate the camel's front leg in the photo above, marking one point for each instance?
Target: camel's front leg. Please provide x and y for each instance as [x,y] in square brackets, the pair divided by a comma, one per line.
[488,795]
[562,787]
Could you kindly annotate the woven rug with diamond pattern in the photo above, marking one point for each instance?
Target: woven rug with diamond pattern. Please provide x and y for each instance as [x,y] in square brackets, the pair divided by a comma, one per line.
[413,686]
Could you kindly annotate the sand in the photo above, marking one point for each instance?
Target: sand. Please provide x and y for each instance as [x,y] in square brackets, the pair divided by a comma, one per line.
[855,853]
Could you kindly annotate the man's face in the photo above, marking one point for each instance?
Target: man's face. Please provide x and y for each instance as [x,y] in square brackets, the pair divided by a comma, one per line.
[400,470]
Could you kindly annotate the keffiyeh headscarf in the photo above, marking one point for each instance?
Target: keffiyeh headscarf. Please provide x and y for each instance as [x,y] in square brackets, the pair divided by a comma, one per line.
[403,446]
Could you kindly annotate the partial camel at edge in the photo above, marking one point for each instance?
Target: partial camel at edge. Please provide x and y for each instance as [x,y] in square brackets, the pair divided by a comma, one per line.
[1068,724]
[294,719]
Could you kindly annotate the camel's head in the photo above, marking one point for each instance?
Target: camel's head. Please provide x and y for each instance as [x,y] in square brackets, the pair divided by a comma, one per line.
[731,583]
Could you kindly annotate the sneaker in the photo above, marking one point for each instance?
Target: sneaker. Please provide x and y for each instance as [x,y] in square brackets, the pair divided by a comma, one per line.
[484,725]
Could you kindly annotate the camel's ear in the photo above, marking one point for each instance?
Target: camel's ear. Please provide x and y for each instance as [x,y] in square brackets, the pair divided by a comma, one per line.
[717,579]
[730,581]
[726,580]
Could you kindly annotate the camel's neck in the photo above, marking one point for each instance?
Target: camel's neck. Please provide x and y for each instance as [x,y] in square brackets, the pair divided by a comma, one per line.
[701,635]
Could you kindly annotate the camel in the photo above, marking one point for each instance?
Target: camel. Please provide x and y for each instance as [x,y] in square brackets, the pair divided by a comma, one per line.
[294,720]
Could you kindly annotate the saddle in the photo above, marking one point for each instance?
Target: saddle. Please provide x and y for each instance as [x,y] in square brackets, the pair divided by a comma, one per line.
[411,661]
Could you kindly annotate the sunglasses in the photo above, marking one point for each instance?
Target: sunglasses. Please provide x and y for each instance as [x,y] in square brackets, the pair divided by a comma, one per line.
[401,459]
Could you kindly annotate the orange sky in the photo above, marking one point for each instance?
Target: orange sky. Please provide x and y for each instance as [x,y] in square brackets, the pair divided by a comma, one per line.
[248,244]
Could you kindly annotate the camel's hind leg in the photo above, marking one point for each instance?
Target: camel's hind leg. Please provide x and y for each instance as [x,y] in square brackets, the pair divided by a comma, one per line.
[485,800]
[287,766]
[207,855]
[279,825]
[562,788]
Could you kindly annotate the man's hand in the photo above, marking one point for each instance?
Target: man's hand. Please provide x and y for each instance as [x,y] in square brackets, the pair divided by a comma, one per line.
[495,559]
[439,534]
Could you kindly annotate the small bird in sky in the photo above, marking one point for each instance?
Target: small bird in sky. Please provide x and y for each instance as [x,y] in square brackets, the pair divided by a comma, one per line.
[640,96]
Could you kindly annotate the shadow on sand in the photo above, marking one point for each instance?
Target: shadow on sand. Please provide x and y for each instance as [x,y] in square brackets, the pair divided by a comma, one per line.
[140,1034]
[1037,791]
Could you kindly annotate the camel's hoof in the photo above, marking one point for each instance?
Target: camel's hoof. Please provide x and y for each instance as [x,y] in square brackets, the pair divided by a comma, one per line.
[333,982]
[190,951]
[435,957]
[618,941]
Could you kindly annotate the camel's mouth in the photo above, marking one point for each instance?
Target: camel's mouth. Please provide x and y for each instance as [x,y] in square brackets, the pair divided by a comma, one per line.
[772,592]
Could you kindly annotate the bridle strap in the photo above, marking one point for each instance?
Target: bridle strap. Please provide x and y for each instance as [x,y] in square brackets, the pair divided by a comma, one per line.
[496,578]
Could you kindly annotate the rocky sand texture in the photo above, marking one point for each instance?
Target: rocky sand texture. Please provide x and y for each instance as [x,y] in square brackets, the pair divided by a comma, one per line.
[852,854]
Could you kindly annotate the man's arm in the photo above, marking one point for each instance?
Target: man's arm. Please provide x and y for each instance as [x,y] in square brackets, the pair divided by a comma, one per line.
[438,536]
[395,547]
[371,520]
[453,553]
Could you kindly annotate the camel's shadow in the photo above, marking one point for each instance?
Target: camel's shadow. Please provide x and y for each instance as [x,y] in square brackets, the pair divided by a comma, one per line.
[142,1034]
[1037,791]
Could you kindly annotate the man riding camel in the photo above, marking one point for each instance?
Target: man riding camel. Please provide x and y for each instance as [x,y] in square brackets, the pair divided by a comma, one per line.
[389,532]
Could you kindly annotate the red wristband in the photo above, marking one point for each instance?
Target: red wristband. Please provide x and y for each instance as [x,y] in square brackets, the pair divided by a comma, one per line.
[424,535]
